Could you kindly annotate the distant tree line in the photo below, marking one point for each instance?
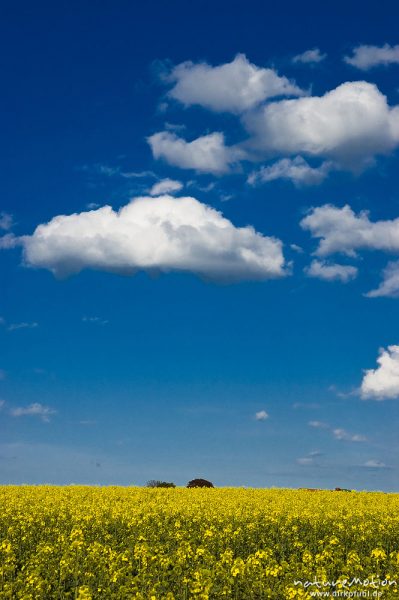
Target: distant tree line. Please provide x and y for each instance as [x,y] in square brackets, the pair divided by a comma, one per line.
[194,483]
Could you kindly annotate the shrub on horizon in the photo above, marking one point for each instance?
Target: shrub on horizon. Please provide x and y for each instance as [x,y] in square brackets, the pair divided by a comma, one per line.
[154,483]
[194,483]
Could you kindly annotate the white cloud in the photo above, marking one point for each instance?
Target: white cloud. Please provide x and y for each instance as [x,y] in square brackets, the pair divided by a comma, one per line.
[350,125]
[232,87]
[338,433]
[383,382]
[374,464]
[262,415]
[331,272]
[34,410]
[309,56]
[389,287]
[309,459]
[165,186]
[365,57]
[342,434]
[156,235]
[341,230]
[8,241]
[97,320]
[6,221]
[23,325]
[306,460]
[318,424]
[296,170]
[296,248]
[206,154]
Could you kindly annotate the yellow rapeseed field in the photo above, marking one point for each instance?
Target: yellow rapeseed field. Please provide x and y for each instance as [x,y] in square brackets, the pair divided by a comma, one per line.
[152,544]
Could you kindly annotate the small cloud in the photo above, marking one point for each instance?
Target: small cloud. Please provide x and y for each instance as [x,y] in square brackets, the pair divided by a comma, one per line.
[262,415]
[92,205]
[296,248]
[23,325]
[374,464]
[97,320]
[312,56]
[338,433]
[87,422]
[174,127]
[318,424]
[2,404]
[315,453]
[366,57]
[309,459]
[165,186]
[33,410]
[320,269]
[6,221]
[342,434]
[139,175]
[306,460]
[9,241]
[206,154]
[203,188]
[297,170]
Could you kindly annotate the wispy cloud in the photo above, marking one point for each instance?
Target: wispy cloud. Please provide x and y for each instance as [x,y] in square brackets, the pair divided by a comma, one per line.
[97,320]
[374,464]
[310,458]
[338,432]
[33,410]
[312,56]
[297,170]
[165,186]
[342,434]
[6,221]
[319,424]
[22,325]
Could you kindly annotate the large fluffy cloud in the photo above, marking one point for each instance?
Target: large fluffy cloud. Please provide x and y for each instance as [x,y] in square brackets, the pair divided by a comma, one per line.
[233,87]
[206,154]
[342,230]
[157,235]
[383,382]
[350,124]
[365,57]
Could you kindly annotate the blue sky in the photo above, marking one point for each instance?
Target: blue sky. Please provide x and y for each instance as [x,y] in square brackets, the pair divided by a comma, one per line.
[232,314]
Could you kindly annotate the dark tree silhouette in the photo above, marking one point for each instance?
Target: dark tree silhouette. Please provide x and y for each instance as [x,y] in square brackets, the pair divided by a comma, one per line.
[194,483]
[154,483]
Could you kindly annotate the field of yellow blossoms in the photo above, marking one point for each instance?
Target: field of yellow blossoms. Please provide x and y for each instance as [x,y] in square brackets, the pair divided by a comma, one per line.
[153,544]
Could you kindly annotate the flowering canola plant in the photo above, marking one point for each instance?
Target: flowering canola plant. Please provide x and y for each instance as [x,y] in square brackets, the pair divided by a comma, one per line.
[175,544]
